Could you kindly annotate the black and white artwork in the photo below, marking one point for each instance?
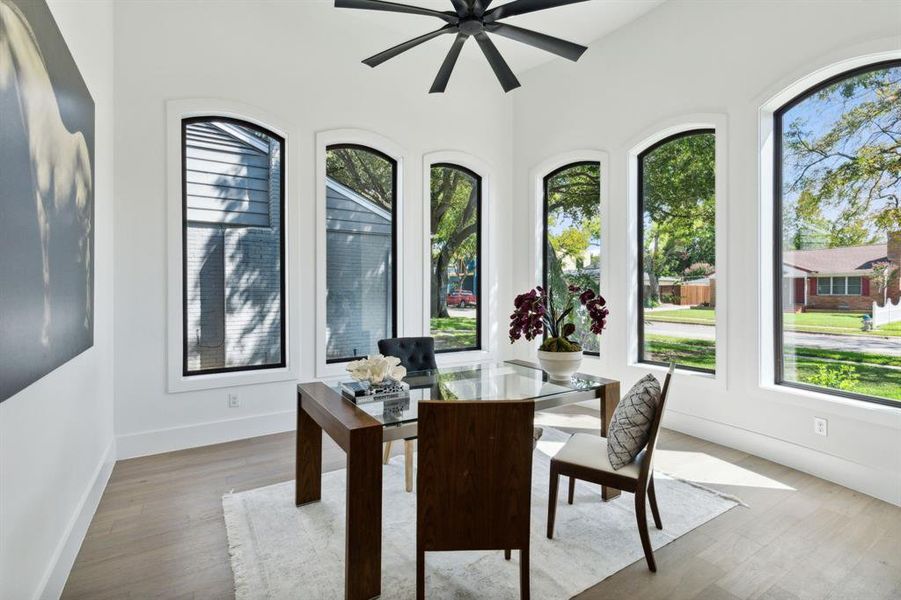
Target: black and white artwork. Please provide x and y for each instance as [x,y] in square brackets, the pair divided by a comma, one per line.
[46,199]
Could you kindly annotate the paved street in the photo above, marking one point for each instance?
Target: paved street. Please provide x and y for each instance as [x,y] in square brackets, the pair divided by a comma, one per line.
[855,343]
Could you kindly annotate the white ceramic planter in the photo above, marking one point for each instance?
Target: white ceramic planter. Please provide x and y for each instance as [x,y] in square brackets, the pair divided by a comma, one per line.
[560,366]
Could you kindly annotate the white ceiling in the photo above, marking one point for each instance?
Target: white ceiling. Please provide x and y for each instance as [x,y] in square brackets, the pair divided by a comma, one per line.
[582,23]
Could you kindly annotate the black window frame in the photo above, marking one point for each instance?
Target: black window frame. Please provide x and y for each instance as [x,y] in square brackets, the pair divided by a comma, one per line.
[778,329]
[394,264]
[640,216]
[479,189]
[544,216]
[283,362]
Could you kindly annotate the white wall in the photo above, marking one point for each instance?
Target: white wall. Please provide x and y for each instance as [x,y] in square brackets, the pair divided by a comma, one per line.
[725,58]
[56,436]
[299,62]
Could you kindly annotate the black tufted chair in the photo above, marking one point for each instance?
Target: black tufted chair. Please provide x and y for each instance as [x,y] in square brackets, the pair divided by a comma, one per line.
[415,354]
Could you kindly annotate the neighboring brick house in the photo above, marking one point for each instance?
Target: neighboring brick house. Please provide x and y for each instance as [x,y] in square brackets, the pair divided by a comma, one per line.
[232,243]
[838,278]
[358,274]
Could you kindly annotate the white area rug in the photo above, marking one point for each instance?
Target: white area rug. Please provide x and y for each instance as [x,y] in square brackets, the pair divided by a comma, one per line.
[279,551]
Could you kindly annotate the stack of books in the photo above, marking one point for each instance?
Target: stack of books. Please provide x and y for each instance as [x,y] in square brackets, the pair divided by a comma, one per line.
[362,392]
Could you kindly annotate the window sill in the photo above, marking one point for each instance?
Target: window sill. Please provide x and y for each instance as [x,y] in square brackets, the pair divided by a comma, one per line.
[882,414]
[707,378]
[179,383]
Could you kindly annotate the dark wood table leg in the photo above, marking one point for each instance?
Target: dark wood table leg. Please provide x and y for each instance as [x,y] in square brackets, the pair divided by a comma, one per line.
[609,399]
[363,540]
[308,475]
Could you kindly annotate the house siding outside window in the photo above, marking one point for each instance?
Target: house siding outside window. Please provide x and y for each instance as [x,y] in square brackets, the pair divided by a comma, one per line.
[233,247]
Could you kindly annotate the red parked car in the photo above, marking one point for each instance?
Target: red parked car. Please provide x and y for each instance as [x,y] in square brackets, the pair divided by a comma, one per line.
[461,298]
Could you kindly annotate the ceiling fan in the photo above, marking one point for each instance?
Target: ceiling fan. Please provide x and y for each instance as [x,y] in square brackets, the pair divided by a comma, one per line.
[472,18]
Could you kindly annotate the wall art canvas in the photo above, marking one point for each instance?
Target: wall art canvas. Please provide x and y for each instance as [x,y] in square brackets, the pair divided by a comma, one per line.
[46,199]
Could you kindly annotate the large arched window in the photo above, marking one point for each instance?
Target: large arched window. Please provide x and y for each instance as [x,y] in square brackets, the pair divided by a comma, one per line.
[361,249]
[837,236]
[456,258]
[677,249]
[233,246]
[572,240]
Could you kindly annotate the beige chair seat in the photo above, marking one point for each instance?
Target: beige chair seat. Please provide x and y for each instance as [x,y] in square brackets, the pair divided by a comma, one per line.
[590,451]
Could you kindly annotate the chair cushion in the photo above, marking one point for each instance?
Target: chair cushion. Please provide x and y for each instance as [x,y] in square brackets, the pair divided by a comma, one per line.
[590,451]
[630,426]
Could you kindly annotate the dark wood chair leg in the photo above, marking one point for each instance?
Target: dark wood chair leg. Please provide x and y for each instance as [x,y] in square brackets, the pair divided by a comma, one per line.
[507,554]
[642,516]
[552,501]
[524,591]
[652,498]
[572,488]
[420,574]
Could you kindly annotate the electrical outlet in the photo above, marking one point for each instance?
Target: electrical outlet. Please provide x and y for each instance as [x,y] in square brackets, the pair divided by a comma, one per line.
[233,401]
[820,426]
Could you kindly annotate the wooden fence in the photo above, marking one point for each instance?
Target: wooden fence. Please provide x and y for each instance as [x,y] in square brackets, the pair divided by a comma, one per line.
[693,295]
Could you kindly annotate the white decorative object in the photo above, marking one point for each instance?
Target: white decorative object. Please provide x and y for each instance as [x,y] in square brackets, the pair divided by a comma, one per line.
[560,366]
[377,369]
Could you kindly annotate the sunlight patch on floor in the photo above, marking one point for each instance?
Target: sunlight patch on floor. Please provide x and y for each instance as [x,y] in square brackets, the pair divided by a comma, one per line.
[703,468]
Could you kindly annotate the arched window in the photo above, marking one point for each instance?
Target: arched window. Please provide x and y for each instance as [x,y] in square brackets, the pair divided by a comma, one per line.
[677,247]
[837,236]
[361,250]
[572,241]
[456,258]
[233,246]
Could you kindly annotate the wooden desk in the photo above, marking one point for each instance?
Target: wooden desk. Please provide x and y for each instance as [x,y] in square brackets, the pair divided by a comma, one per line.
[360,435]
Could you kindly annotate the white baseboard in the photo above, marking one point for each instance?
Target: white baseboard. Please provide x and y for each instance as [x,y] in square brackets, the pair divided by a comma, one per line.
[64,556]
[157,441]
[879,483]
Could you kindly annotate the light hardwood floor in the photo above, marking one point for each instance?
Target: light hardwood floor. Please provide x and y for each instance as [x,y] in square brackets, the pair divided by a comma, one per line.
[159,530]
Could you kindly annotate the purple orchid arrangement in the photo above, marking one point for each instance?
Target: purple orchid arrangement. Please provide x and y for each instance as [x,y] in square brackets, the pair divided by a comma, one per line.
[534,312]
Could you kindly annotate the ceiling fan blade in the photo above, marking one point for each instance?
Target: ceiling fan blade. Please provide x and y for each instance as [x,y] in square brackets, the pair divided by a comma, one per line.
[462,7]
[539,40]
[447,67]
[521,7]
[480,6]
[395,7]
[501,68]
[377,59]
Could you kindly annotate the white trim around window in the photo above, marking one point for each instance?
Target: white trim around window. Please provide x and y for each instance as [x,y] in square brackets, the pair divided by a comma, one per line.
[487,274]
[805,77]
[361,137]
[176,111]
[670,127]
[844,289]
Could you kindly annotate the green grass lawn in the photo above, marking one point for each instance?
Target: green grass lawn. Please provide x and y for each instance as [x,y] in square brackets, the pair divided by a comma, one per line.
[874,379]
[700,354]
[702,316]
[876,376]
[812,322]
[454,332]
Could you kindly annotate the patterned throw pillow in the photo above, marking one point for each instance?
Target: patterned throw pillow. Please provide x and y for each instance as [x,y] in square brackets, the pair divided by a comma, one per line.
[630,426]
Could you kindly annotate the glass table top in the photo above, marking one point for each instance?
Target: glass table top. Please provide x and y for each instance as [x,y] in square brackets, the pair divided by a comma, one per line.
[484,381]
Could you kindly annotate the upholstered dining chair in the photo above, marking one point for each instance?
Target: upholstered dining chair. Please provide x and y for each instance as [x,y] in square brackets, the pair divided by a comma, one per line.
[415,354]
[474,480]
[585,457]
